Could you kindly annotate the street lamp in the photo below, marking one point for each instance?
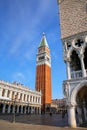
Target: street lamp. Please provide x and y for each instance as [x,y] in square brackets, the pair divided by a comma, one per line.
[14,102]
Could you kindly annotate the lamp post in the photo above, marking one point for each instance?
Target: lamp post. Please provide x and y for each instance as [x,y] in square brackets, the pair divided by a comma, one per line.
[28,108]
[14,101]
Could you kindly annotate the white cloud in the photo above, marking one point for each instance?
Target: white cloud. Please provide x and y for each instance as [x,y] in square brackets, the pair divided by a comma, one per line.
[18,76]
[30,22]
[29,53]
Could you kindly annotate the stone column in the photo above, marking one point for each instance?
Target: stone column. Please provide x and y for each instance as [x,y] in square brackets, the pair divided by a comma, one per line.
[28,109]
[34,110]
[13,109]
[71,117]
[79,115]
[31,110]
[24,109]
[39,110]
[17,109]
[82,65]
[85,113]
[21,109]
[4,106]
[9,108]
[68,69]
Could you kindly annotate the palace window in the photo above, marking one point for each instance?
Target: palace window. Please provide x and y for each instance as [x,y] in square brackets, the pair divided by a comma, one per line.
[30,98]
[33,99]
[48,59]
[3,92]
[8,94]
[12,95]
[79,43]
[21,96]
[68,45]
[24,97]
[27,97]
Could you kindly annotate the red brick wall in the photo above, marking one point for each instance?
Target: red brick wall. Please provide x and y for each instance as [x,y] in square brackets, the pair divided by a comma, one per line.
[43,82]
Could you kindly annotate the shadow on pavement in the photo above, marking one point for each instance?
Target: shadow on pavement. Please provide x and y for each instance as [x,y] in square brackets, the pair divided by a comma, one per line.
[46,119]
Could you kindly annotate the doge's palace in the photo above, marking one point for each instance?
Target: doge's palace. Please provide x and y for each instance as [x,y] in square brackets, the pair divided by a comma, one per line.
[73,24]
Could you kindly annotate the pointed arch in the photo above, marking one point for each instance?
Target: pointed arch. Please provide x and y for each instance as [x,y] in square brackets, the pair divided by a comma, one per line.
[85,57]
[75,64]
[76,90]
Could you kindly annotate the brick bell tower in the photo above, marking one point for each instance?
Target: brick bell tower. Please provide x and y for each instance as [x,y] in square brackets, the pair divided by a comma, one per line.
[43,73]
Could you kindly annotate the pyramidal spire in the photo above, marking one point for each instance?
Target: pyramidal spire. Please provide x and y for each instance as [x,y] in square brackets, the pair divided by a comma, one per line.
[43,42]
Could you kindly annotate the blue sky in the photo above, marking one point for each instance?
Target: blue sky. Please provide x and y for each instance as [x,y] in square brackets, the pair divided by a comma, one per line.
[22,23]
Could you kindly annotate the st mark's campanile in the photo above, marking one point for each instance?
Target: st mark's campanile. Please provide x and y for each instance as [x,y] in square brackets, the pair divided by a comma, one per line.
[43,73]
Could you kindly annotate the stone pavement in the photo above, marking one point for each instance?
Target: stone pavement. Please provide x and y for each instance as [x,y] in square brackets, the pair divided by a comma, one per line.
[35,122]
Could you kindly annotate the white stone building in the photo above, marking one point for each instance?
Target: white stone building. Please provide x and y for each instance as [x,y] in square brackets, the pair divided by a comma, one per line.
[14,97]
[73,23]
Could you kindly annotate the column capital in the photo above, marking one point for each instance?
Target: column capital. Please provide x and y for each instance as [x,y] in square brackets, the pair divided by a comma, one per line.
[66,59]
[70,104]
[81,55]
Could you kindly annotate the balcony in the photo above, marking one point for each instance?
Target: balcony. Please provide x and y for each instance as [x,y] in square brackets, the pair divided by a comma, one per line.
[76,74]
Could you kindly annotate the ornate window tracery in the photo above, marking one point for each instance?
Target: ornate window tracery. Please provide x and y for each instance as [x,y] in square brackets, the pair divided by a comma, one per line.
[68,45]
[75,62]
[79,42]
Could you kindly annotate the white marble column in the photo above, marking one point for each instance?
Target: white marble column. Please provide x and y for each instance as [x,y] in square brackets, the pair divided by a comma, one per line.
[85,113]
[13,109]
[71,117]
[82,65]
[31,110]
[24,109]
[9,108]
[68,70]
[28,109]
[79,115]
[4,106]
[39,110]
[21,109]
[17,109]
